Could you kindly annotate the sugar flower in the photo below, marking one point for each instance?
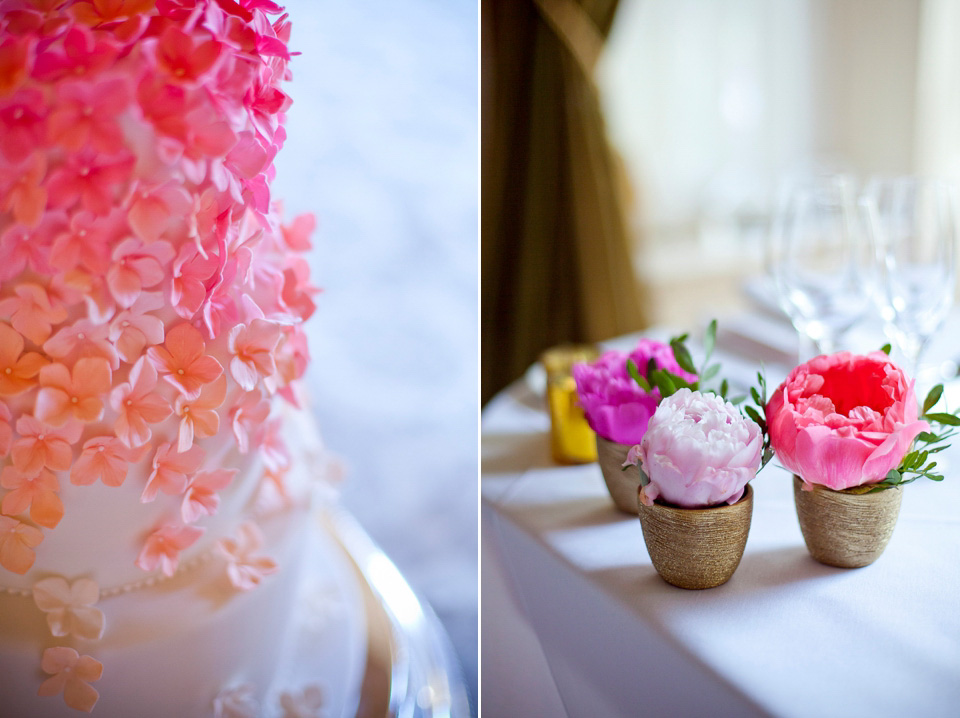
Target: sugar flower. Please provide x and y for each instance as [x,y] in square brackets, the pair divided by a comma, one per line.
[273,449]
[236,702]
[77,394]
[17,369]
[89,178]
[84,53]
[36,493]
[253,349]
[307,703]
[71,674]
[87,113]
[137,404]
[183,362]
[24,192]
[17,541]
[134,329]
[154,213]
[22,124]
[201,497]
[614,404]
[171,471]
[197,416]
[31,311]
[246,416]
[137,266]
[699,451]
[42,445]
[191,271]
[86,242]
[6,429]
[16,60]
[187,57]
[83,338]
[105,458]
[69,607]
[24,248]
[245,569]
[163,546]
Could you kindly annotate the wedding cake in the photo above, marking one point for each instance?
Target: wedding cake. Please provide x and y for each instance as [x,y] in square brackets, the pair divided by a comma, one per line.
[155,473]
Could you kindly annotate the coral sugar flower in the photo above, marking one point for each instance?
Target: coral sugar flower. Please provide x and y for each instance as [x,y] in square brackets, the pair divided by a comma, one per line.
[77,394]
[162,548]
[72,674]
[197,416]
[201,498]
[183,362]
[184,56]
[32,312]
[42,445]
[171,471]
[17,369]
[37,493]
[137,404]
[253,349]
[105,458]
[17,541]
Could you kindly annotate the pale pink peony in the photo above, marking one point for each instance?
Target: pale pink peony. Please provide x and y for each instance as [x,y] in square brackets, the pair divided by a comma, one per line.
[698,451]
[614,404]
[844,420]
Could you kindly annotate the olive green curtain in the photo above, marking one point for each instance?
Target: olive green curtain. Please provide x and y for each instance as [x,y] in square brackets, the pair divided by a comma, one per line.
[555,258]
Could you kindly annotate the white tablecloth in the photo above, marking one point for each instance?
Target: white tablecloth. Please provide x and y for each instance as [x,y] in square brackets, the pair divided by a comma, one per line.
[574,612]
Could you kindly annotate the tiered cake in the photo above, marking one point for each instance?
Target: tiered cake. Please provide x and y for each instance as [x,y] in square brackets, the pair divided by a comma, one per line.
[151,524]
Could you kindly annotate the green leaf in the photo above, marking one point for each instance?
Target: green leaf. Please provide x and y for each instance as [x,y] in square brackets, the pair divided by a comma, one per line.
[738,399]
[724,388]
[710,372]
[683,357]
[893,476]
[754,415]
[680,339]
[942,418]
[927,438]
[756,396]
[710,338]
[932,398]
[661,380]
[886,348]
[637,376]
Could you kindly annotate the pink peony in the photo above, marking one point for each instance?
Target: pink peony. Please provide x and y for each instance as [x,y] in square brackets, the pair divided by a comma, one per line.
[843,420]
[614,404]
[698,451]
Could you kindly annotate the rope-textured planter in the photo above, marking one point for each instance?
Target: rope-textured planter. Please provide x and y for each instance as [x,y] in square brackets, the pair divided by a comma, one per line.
[622,484]
[697,548]
[844,528]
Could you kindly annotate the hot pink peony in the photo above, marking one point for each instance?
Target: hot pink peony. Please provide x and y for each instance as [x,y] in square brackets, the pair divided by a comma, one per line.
[843,420]
[614,404]
[698,451]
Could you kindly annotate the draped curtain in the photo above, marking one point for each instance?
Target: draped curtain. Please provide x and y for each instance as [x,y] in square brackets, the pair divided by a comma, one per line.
[555,259]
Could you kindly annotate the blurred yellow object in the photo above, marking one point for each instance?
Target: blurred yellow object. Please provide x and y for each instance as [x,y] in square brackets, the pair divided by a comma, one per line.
[571,438]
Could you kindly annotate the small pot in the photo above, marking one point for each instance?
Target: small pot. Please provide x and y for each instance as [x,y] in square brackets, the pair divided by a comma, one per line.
[696,548]
[845,528]
[622,484]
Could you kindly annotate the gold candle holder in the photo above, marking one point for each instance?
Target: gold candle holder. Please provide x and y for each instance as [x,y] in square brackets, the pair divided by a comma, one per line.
[571,438]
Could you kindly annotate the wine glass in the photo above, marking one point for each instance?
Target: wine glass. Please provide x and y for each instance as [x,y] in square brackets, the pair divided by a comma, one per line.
[913,222]
[820,260]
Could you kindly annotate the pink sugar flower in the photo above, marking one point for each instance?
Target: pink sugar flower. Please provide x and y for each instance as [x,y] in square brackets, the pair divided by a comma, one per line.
[133,329]
[105,458]
[72,674]
[87,113]
[31,312]
[297,290]
[42,445]
[84,54]
[97,12]
[273,450]
[25,193]
[137,404]
[137,266]
[197,416]
[246,416]
[90,178]
[17,541]
[165,107]
[152,214]
[82,339]
[17,369]
[191,272]
[69,607]
[22,127]
[253,348]
[183,362]
[296,235]
[171,471]
[85,243]
[187,57]
[162,548]
[23,248]
[76,394]
[201,498]
[37,493]
[6,429]
[245,569]
[16,61]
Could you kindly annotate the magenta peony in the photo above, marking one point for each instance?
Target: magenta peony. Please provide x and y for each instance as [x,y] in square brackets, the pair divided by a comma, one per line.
[698,451]
[843,420]
[615,406]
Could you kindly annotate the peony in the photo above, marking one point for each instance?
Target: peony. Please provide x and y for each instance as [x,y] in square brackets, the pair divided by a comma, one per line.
[843,420]
[615,406]
[698,451]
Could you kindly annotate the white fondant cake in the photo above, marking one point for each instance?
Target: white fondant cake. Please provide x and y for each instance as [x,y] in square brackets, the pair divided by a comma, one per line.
[153,520]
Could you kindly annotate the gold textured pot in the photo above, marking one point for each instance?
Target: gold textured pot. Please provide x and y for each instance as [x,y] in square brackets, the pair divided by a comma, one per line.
[622,484]
[696,548]
[845,528]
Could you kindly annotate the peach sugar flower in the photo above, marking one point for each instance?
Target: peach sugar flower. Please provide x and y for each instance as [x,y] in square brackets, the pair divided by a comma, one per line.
[36,493]
[253,349]
[69,607]
[83,338]
[133,329]
[72,674]
[64,394]
[137,266]
[163,546]
[6,429]
[171,471]
[246,416]
[42,445]
[17,541]
[31,312]
[197,416]
[17,369]
[183,362]
[105,458]
[24,192]
[201,498]
[246,570]
[137,404]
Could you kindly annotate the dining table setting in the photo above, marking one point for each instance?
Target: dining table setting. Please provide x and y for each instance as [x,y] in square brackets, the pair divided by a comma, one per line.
[754,515]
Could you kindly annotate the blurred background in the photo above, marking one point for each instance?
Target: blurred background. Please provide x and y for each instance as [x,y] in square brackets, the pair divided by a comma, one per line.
[632,150]
[382,148]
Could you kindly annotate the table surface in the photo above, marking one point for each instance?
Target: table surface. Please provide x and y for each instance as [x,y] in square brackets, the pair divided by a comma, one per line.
[570,578]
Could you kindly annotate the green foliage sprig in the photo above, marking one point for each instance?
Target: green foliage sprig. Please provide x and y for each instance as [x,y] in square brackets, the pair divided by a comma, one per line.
[757,413]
